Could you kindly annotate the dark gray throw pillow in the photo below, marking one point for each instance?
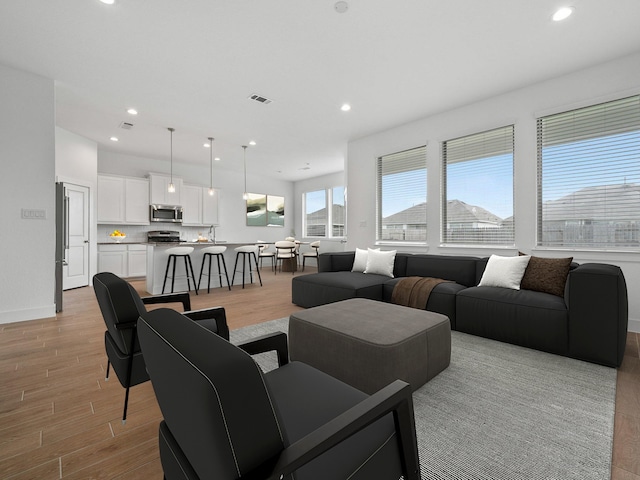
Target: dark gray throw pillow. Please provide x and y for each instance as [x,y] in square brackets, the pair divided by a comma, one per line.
[547,275]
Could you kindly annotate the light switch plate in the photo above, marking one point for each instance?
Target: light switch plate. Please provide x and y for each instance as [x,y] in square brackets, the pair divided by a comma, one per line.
[34,214]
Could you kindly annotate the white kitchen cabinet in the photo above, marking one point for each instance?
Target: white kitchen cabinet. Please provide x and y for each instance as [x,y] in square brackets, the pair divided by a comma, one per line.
[123,200]
[136,260]
[159,190]
[110,199]
[199,208]
[113,258]
[123,260]
[191,205]
[136,205]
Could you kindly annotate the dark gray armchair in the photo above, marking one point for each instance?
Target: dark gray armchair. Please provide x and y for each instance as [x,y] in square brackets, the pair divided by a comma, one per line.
[121,306]
[226,419]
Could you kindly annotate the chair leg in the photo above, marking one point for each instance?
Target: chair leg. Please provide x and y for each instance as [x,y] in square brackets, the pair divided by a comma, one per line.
[224,264]
[166,272]
[235,268]
[126,404]
[106,378]
[202,270]
[257,269]
[173,278]
[303,259]
[186,271]
[129,373]
[193,275]
[244,257]
[209,277]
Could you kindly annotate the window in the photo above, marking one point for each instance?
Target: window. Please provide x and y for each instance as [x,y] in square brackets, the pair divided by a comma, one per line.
[338,213]
[589,176]
[402,196]
[317,217]
[478,189]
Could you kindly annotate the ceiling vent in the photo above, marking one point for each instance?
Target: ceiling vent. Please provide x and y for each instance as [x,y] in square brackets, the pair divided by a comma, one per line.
[260,99]
[126,125]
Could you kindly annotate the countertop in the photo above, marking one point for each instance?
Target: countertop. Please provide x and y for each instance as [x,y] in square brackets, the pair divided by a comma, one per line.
[182,243]
[123,243]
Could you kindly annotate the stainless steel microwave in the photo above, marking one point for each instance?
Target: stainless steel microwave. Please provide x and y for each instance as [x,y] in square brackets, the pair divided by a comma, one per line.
[165,213]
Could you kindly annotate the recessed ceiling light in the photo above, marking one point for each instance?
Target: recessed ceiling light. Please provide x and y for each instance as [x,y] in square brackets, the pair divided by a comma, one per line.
[217,159]
[345,107]
[132,111]
[252,143]
[206,145]
[114,139]
[562,14]
[108,2]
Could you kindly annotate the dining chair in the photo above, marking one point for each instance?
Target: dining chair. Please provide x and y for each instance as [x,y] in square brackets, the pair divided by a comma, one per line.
[313,253]
[264,252]
[286,251]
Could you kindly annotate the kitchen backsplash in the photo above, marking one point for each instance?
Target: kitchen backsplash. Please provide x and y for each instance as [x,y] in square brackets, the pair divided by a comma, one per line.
[138,233]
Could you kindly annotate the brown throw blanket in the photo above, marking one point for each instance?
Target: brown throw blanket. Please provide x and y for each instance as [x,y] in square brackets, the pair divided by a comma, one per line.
[414,291]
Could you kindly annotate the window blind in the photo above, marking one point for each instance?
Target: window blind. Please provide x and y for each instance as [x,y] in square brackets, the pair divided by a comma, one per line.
[478,188]
[589,177]
[402,196]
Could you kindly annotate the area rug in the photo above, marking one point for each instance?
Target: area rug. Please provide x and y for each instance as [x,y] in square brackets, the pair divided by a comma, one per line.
[505,412]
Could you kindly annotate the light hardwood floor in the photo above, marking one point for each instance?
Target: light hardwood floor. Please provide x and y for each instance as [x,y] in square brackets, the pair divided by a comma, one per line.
[60,419]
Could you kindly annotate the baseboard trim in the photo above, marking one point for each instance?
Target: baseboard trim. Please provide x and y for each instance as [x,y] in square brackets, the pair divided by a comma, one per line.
[26,314]
[634,326]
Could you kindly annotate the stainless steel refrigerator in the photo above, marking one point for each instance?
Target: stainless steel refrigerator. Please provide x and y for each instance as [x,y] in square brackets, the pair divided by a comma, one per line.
[62,239]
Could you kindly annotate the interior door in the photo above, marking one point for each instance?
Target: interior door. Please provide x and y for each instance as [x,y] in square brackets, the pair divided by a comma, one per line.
[76,271]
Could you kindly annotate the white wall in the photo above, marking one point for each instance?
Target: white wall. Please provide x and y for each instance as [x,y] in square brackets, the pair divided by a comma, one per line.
[77,162]
[605,82]
[228,184]
[27,139]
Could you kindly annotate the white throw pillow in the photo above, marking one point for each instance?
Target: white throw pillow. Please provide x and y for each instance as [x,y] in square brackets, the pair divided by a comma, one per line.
[504,272]
[380,262]
[360,262]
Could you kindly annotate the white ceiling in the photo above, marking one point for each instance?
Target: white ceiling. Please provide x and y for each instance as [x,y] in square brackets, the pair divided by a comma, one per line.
[191,64]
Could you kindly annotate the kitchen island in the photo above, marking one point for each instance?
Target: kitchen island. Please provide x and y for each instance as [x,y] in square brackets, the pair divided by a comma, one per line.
[157,264]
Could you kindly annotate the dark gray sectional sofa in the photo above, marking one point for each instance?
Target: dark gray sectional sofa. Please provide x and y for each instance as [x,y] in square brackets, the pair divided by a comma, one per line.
[588,323]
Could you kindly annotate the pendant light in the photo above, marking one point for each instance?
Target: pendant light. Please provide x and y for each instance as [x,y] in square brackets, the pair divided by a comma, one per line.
[245,195]
[211,162]
[172,187]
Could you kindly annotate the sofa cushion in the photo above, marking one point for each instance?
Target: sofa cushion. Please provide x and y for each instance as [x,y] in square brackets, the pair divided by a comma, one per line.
[522,317]
[380,263]
[360,260]
[461,270]
[547,275]
[335,261]
[506,272]
[327,287]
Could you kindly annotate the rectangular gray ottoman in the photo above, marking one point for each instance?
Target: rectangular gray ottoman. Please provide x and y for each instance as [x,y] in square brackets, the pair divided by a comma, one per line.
[368,344]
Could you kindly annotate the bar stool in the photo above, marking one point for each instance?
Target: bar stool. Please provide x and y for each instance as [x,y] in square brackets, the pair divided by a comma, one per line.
[247,252]
[209,253]
[174,253]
